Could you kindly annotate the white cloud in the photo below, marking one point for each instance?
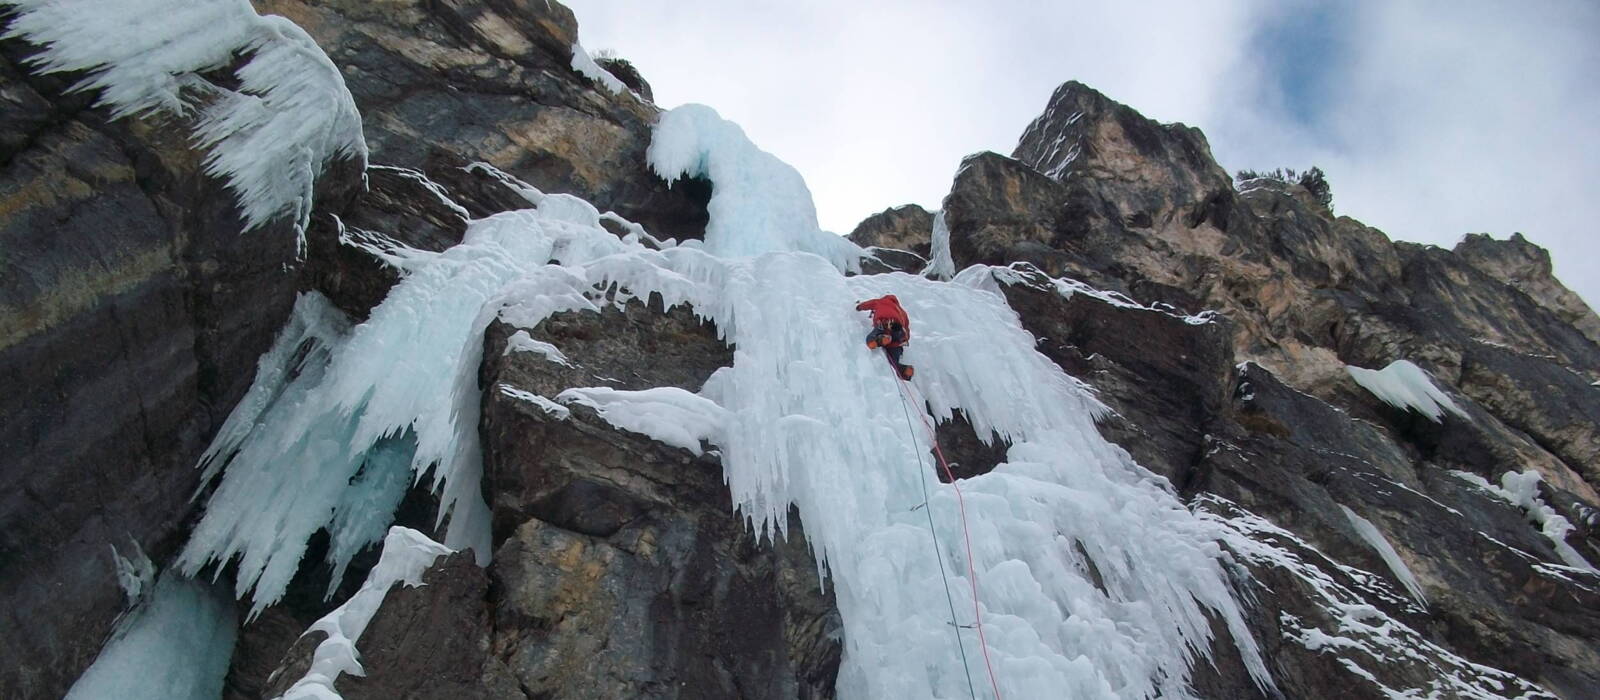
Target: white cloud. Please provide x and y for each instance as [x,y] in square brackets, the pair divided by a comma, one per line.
[1445,118]
[1450,119]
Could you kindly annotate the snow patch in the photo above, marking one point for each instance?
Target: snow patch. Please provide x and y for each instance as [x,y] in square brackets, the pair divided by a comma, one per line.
[520,341]
[406,555]
[269,139]
[1375,539]
[1405,385]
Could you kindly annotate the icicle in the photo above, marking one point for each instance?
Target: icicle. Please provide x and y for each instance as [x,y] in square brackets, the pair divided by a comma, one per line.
[942,266]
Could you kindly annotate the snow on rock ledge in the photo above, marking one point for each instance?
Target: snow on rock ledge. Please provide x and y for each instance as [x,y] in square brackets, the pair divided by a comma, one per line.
[269,139]
[666,414]
[1389,657]
[585,65]
[406,554]
[1521,489]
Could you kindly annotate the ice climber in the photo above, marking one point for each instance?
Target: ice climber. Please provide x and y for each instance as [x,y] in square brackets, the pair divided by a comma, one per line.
[891,330]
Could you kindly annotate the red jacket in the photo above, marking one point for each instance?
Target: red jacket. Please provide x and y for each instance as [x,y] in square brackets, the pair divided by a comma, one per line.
[885,309]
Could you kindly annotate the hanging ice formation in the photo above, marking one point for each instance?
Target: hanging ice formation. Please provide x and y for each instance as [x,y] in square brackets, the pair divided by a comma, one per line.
[1404,385]
[269,139]
[1096,582]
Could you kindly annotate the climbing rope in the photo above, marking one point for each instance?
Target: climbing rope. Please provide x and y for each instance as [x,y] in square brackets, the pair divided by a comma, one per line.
[972,573]
[938,553]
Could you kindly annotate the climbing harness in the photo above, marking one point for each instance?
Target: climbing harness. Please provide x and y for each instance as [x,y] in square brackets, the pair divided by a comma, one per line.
[972,574]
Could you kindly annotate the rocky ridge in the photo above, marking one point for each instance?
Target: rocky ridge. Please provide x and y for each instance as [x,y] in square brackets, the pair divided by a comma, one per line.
[618,567]
[1254,405]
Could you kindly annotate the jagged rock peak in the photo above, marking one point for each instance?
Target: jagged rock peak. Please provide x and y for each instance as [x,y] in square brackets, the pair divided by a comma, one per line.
[1082,129]
[1526,267]
[906,227]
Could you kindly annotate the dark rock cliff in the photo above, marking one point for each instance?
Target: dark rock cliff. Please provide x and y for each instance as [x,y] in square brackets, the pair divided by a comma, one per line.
[132,310]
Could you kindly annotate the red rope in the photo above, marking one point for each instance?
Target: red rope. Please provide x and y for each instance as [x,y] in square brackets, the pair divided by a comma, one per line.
[961,502]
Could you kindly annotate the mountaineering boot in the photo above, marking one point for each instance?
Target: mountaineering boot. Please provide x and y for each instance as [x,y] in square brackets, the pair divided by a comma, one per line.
[906,371]
[873,342]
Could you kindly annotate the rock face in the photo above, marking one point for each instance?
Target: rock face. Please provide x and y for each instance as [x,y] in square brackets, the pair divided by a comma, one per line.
[906,227]
[629,74]
[407,656]
[131,314]
[1123,351]
[1526,267]
[619,567]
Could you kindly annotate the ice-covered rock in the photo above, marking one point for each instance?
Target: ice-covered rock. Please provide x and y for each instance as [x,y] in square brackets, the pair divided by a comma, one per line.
[759,204]
[175,644]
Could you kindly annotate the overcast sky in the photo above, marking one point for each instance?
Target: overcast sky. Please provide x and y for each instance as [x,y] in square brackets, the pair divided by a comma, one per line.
[1432,120]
